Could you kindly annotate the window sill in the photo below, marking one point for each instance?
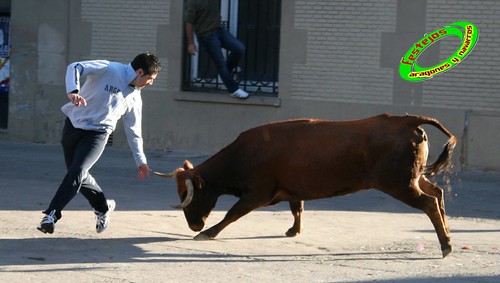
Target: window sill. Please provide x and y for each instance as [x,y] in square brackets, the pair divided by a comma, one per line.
[224,98]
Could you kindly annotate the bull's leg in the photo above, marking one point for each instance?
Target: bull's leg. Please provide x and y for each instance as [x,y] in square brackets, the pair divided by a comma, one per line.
[415,197]
[435,191]
[296,207]
[240,208]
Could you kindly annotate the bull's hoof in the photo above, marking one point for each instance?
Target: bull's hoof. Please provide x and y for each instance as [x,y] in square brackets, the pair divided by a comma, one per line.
[446,251]
[292,232]
[202,237]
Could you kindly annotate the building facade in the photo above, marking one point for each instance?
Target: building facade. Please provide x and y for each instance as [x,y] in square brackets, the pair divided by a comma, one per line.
[321,59]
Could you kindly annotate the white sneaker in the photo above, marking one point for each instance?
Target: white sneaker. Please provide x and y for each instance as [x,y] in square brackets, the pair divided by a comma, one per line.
[102,219]
[239,93]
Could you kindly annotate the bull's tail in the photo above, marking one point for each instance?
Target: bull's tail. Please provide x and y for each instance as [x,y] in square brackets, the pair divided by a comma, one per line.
[444,160]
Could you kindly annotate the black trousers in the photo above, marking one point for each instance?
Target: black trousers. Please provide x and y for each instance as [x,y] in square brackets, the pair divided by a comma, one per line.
[82,149]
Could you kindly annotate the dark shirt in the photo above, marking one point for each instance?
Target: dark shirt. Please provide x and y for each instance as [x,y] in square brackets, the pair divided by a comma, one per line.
[203,14]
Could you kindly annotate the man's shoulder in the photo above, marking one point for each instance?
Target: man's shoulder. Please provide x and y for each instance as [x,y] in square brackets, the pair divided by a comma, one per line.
[117,67]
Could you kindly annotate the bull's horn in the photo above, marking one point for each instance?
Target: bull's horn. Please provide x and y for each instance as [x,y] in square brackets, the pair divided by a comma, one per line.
[163,175]
[189,197]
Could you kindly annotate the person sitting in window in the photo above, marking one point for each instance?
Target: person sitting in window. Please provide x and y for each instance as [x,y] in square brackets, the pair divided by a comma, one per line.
[203,18]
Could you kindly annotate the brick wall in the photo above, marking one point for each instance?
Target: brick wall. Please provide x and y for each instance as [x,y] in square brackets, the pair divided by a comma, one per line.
[474,84]
[344,53]
[125,28]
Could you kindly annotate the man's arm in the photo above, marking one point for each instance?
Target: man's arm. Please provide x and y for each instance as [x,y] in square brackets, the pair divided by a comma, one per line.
[73,73]
[190,39]
[133,129]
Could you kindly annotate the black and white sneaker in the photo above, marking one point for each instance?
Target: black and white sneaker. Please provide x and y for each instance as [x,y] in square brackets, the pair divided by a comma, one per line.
[48,223]
[102,219]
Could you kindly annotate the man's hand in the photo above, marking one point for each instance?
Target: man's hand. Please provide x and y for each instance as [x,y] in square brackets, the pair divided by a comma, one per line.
[76,99]
[143,171]
[192,48]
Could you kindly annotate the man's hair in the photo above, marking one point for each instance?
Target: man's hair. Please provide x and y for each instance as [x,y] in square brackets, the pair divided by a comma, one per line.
[148,62]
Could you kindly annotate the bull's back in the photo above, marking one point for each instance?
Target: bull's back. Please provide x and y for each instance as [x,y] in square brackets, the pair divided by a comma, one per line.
[316,158]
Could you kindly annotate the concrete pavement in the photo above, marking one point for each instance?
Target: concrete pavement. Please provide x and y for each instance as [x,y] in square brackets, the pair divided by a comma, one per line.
[364,237]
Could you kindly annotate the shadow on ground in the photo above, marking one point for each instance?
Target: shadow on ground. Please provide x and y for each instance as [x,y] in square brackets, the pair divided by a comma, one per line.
[30,174]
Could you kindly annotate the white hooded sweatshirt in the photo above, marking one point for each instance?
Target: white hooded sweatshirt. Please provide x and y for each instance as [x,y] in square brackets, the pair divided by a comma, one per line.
[109,96]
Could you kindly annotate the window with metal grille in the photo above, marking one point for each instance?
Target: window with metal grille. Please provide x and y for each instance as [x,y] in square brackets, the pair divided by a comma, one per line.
[256,23]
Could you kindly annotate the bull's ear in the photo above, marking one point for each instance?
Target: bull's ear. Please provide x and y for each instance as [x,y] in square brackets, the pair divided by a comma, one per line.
[187,165]
[199,182]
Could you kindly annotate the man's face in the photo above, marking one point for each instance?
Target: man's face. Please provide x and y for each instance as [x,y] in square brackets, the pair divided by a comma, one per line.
[143,80]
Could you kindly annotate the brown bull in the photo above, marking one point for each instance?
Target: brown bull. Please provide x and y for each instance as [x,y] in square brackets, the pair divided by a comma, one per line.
[301,160]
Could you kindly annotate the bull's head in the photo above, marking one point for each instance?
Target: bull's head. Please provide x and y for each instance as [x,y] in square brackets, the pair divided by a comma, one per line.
[187,187]
[196,206]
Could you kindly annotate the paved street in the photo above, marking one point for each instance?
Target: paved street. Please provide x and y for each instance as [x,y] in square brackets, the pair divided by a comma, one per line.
[364,237]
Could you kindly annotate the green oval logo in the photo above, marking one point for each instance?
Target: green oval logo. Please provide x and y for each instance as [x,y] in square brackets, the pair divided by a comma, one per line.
[411,71]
